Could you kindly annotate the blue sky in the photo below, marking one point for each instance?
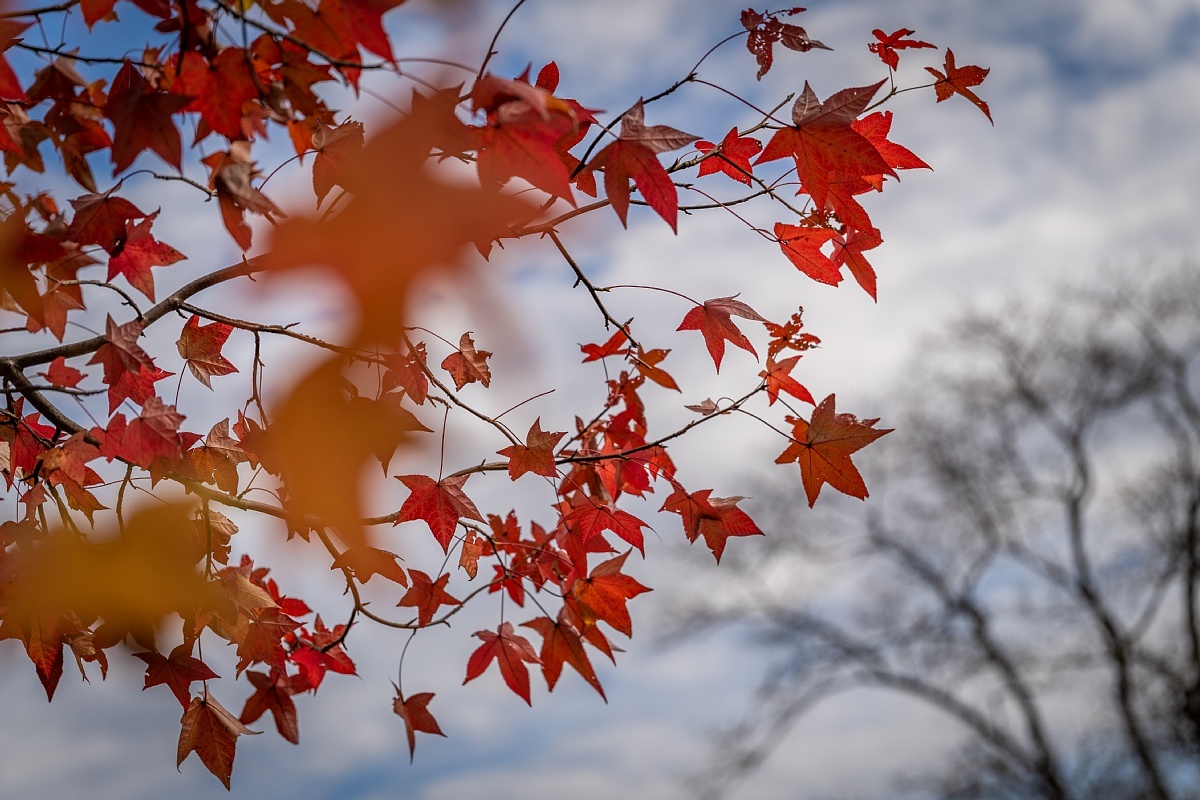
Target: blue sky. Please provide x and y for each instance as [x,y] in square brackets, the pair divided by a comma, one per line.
[1091,162]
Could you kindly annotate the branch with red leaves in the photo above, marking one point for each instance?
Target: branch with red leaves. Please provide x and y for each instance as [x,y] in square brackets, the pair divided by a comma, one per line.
[113,535]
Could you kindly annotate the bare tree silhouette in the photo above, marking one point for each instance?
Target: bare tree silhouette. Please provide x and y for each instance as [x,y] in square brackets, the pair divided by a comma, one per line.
[1028,565]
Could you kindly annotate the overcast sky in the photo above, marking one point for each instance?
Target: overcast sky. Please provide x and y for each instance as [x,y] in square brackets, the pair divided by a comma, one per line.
[1092,161]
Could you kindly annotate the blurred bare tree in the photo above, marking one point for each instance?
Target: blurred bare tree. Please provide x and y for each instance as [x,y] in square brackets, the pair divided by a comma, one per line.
[1028,565]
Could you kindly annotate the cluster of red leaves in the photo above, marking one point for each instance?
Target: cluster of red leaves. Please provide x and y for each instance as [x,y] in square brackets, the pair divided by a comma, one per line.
[389,218]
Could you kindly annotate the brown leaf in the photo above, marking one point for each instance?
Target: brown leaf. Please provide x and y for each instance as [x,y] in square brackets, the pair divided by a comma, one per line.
[211,732]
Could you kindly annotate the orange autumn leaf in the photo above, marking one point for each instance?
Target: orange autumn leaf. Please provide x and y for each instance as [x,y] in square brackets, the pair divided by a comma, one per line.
[823,446]
[602,595]
[536,455]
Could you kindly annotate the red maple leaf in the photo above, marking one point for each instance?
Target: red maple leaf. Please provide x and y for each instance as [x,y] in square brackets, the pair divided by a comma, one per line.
[120,352]
[200,345]
[508,649]
[713,321]
[141,119]
[467,365]
[592,519]
[28,442]
[273,693]
[177,671]
[563,644]
[367,562]
[96,10]
[959,80]
[890,43]
[417,719]
[802,246]
[732,157]
[766,29]
[101,219]
[336,148]
[138,252]
[59,374]
[216,460]
[211,732]
[10,85]
[19,249]
[321,652]
[615,346]
[327,30]
[823,446]
[137,387]
[525,125]
[849,249]
[427,595]
[536,455]
[152,435]
[219,88]
[506,580]
[824,144]
[714,518]
[440,503]
[43,640]
[635,156]
[232,174]
[647,363]
[262,641]
[875,127]
[603,594]
[779,379]
[408,373]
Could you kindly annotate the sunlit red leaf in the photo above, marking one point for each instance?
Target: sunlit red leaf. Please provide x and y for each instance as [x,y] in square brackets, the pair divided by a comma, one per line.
[779,379]
[733,158]
[634,156]
[849,249]
[713,321]
[824,144]
[593,519]
[439,503]
[959,80]
[889,44]
[802,246]
[616,345]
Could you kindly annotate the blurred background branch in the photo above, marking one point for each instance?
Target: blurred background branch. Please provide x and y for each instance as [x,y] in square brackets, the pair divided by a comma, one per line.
[1028,567]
